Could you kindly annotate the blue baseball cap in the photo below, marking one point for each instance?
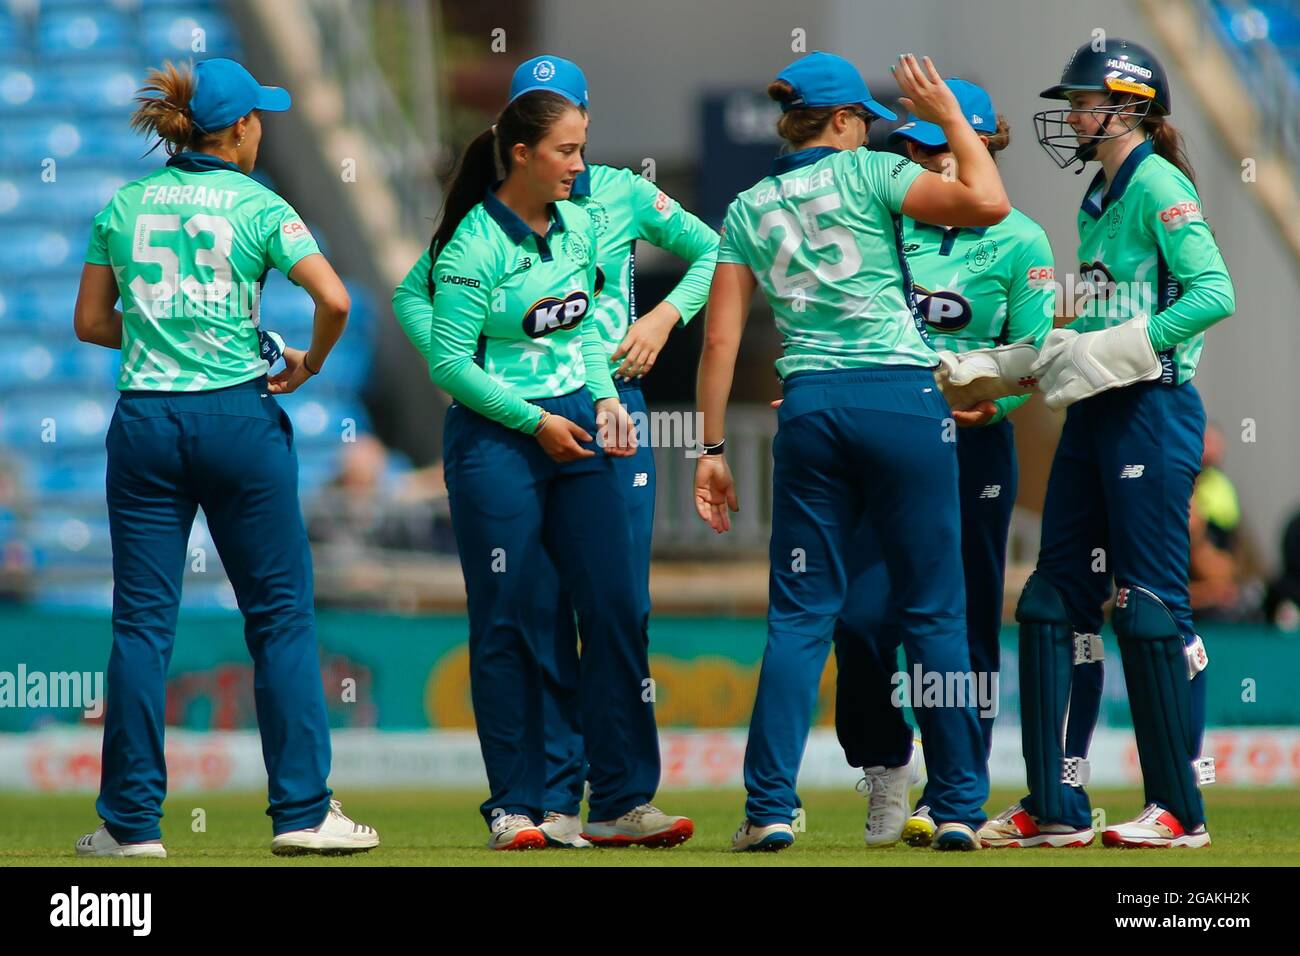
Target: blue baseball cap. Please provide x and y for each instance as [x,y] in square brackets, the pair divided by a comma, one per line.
[824,79]
[975,105]
[552,73]
[224,91]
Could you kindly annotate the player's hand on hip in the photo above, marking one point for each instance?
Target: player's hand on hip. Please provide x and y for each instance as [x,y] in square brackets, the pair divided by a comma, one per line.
[292,375]
[715,492]
[616,433]
[560,437]
[644,341]
[924,92]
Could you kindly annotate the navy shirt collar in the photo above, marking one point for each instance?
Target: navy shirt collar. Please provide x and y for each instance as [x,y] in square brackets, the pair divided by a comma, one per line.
[201,162]
[1119,183]
[800,157]
[582,185]
[511,224]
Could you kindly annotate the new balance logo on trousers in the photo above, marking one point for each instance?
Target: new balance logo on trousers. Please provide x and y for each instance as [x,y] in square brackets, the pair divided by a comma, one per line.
[991,491]
[1132,471]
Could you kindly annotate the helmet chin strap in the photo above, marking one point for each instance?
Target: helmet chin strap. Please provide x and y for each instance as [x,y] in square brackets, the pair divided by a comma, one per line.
[1087,152]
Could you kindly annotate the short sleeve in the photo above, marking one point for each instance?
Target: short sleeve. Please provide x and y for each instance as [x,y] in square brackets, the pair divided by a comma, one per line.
[732,229]
[288,240]
[97,247]
[887,176]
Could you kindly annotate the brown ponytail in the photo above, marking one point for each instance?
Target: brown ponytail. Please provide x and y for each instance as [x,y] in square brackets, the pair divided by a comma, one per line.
[800,124]
[1168,144]
[164,109]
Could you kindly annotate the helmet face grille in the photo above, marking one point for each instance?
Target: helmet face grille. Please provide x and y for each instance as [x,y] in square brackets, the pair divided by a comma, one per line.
[1066,147]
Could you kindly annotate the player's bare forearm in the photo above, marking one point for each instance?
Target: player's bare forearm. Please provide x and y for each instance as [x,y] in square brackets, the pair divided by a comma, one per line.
[733,286]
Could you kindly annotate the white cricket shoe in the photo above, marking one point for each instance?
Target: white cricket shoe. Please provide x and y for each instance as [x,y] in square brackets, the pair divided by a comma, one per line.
[886,790]
[645,825]
[752,838]
[955,836]
[564,830]
[1154,827]
[101,843]
[1016,827]
[514,831]
[919,828]
[336,835]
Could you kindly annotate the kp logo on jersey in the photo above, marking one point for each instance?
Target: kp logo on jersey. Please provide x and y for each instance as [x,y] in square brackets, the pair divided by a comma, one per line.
[944,310]
[551,314]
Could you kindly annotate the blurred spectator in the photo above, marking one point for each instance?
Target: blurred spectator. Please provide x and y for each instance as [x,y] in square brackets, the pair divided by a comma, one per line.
[374,503]
[1220,581]
[1282,604]
[1214,496]
[15,551]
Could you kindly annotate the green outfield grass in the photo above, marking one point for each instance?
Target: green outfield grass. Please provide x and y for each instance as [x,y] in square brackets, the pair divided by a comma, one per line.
[442,828]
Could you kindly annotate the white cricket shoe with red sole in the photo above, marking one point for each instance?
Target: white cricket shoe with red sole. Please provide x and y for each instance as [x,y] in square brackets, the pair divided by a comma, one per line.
[564,830]
[645,825]
[1155,828]
[1016,827]
[102,843]
[514,831]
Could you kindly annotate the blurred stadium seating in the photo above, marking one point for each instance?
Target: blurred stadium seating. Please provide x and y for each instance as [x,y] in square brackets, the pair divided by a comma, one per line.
[68,72]
[1263,39]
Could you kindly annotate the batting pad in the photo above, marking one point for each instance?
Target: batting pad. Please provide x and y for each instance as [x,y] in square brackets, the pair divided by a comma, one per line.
[1046,666]
[1160,695]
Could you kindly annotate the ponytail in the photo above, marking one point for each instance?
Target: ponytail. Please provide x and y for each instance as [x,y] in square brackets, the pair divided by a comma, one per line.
[1168,144]
[487,159]
[164,109]
[799,124]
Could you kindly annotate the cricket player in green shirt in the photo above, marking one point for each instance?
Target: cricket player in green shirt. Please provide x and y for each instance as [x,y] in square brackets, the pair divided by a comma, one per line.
[500,305]
[186,249]
[1119,492]
[861,433]
[624,208]
[976,288]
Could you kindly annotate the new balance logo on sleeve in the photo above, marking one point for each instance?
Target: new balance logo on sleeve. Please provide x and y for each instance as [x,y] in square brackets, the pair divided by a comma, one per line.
[1132,471]
[991,491]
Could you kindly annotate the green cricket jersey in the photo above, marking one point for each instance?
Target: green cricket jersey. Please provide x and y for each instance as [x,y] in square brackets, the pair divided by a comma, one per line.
[822,235]
[505,320]
[190,245]
[625,207]
[1144,246]
[980,288]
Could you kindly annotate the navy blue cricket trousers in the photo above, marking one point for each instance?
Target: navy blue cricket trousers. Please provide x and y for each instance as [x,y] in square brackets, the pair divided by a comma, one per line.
[516,513]
[229,451]
[1117,507]
[855,446]
[871,730]
[566,764]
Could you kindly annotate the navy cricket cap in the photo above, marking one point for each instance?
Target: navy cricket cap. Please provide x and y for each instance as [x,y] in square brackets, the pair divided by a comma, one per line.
[224,91]
[976,106]
[552,73]
[824,79]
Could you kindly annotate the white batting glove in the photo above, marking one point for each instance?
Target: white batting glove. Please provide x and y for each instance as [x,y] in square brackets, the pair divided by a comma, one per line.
[982,375]
[1074,366]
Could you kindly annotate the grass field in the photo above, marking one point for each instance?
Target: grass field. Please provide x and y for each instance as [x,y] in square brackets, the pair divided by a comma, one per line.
[442,828]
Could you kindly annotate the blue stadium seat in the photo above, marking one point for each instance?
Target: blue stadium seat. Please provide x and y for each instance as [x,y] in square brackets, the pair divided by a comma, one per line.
[56,422]
[171,34]
[318,417]
[13,38]
[17,88]
[85,32]
[27,250]
[47,301]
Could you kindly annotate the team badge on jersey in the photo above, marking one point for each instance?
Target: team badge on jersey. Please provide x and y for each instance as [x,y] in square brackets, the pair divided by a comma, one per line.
[944,311]
[551,314]
[598,214]
[576,248]
[982,256]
